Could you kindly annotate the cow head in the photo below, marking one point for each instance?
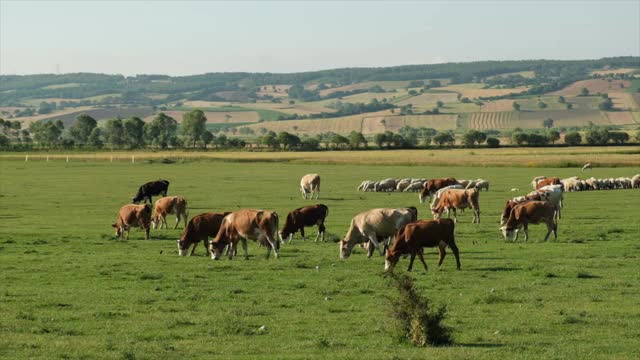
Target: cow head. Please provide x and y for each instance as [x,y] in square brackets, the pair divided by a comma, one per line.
[345,248]
[216,249]
[391,259]
[119,229]
[508,233]
[182,247]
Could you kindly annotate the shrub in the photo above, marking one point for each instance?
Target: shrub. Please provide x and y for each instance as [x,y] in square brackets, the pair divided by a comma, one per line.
[420,322]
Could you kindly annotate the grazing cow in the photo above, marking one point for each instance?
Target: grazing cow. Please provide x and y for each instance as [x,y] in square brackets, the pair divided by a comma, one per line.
[464,183]
[635,181]
[370,225]
[457,199]
[257,225]
[310,184]
[547,181]
[304,216]
[413,237]
[586,166]
[152,188]
[571,184]
[200,228]
[536,180]
[386,185]
[169,205]
[436,197]
[510,204]
[531,212]
[133,215]
[433,185]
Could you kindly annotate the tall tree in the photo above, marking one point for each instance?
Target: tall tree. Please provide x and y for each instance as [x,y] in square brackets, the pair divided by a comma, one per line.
[193,125]
[82,127]
[134,132]
[114,133]
[161,131]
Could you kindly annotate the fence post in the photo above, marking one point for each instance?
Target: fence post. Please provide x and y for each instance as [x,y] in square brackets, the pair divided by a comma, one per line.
[26,158]
[47,158]
[111,158]
[67,158]
[133,159]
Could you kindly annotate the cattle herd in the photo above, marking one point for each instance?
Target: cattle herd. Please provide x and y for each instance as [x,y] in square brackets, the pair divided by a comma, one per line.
[393,231]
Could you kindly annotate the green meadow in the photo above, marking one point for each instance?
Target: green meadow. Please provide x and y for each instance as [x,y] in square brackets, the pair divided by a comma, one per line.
[69,290]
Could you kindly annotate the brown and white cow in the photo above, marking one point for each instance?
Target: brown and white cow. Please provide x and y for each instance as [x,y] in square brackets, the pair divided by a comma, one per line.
[133,215]
[548,181]
[200,228]
[169,205]
[433,185]
[310,184]
[257,225]
[530,212]
[457,199]
[370,225]
[413,237]
[304,216]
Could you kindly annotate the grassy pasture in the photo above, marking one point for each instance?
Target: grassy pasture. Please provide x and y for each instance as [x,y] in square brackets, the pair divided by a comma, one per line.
[69,290]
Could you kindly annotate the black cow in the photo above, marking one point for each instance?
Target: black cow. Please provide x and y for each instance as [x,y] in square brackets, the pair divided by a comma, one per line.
[152,188]
[305,216]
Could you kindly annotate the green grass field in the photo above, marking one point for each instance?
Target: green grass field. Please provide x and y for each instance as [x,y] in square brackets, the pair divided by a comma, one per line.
[69,290]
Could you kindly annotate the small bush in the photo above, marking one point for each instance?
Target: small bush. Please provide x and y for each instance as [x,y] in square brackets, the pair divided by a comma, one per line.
[420,322]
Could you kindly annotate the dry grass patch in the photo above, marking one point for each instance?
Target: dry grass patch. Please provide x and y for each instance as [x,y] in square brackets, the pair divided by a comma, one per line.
[594,86]
[623,100]
[473,91]
[217,117]
[429,98]
[620,117]
[498,105]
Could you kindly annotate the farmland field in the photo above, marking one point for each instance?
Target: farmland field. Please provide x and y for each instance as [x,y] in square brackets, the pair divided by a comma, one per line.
[217,117]
[69,290]
[473,91]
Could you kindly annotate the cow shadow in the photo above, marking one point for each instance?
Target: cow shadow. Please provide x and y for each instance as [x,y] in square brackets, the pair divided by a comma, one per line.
[481,345]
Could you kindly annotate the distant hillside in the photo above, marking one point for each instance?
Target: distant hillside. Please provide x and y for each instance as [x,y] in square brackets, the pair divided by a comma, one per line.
[160,89]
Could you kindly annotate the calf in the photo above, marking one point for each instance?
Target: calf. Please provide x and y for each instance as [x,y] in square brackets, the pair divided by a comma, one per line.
[200,228]
[132,215]
[305,216]
[169,205]
[152,188]
[456,199]
[412,238]
[257,225]
[531,212]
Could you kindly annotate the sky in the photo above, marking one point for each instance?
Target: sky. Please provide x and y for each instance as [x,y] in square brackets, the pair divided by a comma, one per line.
[195,37]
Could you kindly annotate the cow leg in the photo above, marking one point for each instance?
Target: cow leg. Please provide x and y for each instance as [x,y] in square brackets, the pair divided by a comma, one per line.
[193,249]
[304,238]
[205,242]
[274,244]
[455,216]
[456,253]
[442,250]
[178,215]
[244,248]
[413,257]
[370,249]
[526,232]
[421,257]
[147,227]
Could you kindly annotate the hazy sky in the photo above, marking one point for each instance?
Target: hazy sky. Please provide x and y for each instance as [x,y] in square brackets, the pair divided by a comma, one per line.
[193,37]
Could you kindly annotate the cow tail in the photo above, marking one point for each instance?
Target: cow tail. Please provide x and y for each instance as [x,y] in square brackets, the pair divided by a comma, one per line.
[276,224]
